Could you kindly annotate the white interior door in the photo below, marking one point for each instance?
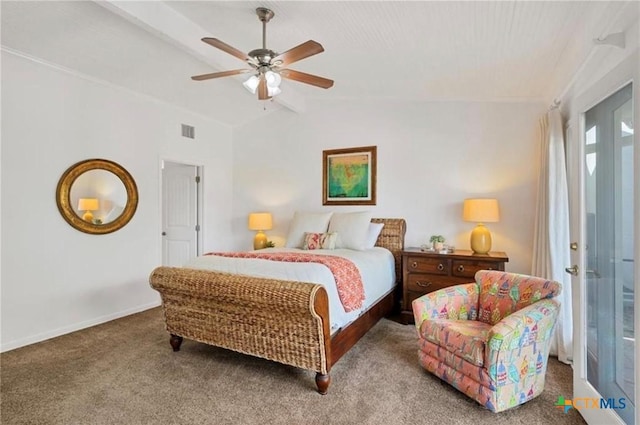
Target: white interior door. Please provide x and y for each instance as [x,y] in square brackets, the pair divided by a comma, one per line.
[180,224]
[603,227]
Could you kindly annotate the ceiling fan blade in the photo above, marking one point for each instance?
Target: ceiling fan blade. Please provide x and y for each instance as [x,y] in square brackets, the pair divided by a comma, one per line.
[263,92]
[303,77]
[301,51]
[220,74]
[226,48]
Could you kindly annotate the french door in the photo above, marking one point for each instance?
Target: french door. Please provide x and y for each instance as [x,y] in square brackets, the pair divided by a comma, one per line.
[605,356]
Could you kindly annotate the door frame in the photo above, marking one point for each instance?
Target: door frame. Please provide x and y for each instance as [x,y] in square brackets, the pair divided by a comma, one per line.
[624,73]
[199,201]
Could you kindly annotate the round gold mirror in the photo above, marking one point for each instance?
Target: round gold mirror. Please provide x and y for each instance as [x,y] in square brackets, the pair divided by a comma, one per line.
[97,196]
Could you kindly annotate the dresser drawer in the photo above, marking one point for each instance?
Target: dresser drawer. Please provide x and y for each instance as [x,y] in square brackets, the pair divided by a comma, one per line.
[438,266]
[424,283]
[410,297]
[468,269]
[425,272]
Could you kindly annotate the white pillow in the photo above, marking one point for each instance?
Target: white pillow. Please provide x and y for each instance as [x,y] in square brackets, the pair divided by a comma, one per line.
[304,222]
[351,228]
[372,234]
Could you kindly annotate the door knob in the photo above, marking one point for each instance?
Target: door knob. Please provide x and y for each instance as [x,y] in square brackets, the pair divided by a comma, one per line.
[573,270]
[573,246]
[164,233]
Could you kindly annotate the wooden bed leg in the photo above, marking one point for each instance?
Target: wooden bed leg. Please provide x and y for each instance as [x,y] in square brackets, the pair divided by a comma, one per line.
[176,342]
[322,382]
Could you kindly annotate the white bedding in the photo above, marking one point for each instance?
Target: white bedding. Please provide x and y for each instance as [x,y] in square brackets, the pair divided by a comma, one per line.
[376,266]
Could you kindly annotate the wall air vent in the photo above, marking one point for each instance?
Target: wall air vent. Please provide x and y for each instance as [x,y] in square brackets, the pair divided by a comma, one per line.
[188,131]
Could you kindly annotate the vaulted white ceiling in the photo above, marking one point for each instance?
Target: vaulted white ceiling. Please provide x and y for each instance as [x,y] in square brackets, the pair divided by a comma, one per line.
[473,51]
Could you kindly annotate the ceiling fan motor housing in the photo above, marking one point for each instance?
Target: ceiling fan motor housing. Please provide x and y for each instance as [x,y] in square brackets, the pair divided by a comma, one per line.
[264,56]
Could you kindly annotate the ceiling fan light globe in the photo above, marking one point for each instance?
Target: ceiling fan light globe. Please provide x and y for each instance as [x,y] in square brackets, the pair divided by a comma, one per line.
[273,79]
[251,84]
[273,91]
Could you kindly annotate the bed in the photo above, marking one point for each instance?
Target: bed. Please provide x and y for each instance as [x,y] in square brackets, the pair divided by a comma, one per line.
[286,321]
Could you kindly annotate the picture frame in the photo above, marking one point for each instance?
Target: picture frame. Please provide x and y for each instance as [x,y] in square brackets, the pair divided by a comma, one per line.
[349,176]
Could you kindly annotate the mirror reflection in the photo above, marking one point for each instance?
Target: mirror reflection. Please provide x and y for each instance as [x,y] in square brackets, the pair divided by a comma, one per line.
[98,196]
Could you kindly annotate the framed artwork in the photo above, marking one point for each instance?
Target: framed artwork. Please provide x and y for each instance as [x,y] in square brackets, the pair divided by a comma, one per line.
[349,176]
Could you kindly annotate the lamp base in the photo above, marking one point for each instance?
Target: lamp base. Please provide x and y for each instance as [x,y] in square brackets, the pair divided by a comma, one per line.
[480,239]
[88,216]
[260,241]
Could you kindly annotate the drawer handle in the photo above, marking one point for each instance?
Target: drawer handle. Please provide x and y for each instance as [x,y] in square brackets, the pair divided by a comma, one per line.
[414,265]
[460,268]
[423,284]
[440,267]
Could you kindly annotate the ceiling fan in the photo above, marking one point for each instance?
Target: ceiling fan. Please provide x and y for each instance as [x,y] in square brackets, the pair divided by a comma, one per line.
[268,65]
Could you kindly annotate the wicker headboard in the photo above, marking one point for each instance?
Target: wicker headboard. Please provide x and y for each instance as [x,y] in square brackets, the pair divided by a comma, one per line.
[392,238]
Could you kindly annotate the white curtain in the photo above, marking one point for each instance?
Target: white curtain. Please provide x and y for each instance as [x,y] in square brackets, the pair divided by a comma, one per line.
[551,238]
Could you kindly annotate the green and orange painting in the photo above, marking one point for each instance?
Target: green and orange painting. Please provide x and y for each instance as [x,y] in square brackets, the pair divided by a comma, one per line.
[348,176]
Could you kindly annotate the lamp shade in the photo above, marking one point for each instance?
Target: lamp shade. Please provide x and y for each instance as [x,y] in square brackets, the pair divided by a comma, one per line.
[260,221]
[481,210]
[87,204]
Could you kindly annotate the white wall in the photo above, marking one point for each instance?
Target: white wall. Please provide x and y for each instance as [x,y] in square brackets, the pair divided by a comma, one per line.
[56,279]
[430,157]
[602,61]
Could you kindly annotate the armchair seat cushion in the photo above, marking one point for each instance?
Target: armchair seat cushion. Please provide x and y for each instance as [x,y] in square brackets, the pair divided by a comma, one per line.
[464,338]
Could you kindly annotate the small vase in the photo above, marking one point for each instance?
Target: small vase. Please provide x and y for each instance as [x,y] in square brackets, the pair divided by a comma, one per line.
[438,246]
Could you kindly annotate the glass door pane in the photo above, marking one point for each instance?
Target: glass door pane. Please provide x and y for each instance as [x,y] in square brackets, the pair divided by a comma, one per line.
[609,186]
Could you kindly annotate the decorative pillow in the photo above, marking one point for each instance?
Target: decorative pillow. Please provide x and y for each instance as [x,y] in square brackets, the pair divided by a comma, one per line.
[306,222]
[373,233]
[320,241]
[351,228]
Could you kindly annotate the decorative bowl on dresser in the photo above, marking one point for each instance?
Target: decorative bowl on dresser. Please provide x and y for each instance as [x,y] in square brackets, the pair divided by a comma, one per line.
[424,272]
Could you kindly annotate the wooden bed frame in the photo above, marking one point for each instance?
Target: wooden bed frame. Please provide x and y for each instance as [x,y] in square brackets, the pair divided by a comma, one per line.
[283,321]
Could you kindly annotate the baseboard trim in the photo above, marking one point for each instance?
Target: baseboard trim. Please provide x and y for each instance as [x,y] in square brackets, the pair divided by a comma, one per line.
[12,345]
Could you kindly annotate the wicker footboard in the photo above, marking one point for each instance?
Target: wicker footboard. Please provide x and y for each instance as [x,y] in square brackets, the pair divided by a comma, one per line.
[278,320]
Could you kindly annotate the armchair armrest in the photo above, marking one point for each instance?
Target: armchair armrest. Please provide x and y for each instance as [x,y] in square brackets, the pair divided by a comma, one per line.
[520,334]
[454,302]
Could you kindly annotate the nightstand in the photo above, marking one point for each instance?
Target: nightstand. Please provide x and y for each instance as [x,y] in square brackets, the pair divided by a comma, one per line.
[424,272]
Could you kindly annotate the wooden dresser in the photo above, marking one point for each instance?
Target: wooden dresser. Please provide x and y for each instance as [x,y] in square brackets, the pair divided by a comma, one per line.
[424,272]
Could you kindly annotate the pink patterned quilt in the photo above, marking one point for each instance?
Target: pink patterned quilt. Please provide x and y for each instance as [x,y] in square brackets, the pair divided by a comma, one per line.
[345,273]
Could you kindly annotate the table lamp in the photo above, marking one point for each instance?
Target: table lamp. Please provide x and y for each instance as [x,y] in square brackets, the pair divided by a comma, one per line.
[260,222]
[87,205]
[481,211]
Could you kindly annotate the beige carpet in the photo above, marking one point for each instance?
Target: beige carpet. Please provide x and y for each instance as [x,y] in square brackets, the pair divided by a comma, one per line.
[124,372]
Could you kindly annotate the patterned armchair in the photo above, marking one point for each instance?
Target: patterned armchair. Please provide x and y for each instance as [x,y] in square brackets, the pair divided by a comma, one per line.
[489,339]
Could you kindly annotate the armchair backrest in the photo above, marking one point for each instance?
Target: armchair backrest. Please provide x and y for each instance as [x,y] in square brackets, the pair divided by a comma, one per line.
[503,293]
